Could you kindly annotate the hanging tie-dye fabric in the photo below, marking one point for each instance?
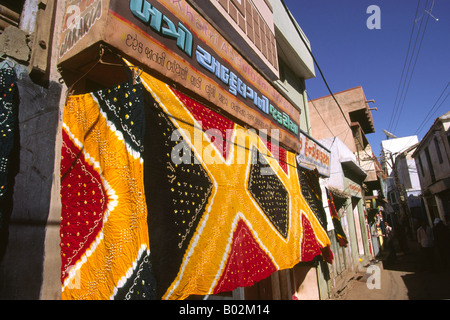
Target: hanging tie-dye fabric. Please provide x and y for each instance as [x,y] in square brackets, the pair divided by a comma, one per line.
[104,236]
[309,182]
[225,207]
[8,118]
[339,231]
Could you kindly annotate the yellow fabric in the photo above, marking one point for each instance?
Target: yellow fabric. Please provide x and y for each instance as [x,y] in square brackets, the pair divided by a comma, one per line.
[230,201]
[106,265]
[124,235]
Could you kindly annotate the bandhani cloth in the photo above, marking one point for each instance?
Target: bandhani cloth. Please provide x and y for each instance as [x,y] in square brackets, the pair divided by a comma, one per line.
[310,185]
[8,118]
[105,248]
[223,211]
[339,231]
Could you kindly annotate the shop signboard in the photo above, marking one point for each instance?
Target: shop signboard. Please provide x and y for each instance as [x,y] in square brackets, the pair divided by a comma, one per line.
[354,189]
[172,39]
[312,155]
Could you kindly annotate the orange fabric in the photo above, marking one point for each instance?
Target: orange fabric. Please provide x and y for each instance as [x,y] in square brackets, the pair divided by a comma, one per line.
[253,219]
[120,235]
[233,209]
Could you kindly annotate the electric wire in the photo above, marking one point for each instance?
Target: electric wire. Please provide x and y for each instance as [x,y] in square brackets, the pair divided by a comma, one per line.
[413,69]
[315,61]
[397,110]
[431,112]
[323,77]
[320,115]
[404,66]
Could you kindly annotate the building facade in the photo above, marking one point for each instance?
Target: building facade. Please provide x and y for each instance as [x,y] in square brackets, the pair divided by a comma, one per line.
[345,186]
[157,148]
[403,185]
[432,160]
[356,180]
[350,120]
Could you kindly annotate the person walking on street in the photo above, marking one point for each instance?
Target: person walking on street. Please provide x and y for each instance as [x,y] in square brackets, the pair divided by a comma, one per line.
[425,239]
[389,237]
[442,239]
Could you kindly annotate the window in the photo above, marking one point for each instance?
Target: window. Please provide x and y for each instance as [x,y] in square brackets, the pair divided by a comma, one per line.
[430,164]
[438,150]
[421,165]
[10,11]
[393,197]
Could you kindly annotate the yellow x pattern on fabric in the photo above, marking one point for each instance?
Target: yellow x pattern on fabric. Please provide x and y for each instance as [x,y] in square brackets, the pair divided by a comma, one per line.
[230,201]
[124,235]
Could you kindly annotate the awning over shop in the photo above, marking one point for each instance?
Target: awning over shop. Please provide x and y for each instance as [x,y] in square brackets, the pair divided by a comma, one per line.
[354,168]
[338,193]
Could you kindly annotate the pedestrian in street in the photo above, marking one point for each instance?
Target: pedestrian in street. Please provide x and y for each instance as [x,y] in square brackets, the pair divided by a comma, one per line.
[442,240]
[425,239]
[389,238]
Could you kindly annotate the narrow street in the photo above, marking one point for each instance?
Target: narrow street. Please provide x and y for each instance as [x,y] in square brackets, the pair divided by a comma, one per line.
[404,279]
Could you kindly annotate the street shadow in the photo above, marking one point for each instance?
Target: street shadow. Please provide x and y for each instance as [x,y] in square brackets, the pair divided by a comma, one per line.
[403,260]
[433,285]
[424,280]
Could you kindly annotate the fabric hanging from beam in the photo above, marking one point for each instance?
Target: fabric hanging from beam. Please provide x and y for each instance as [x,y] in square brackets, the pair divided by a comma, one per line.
[225,207]
[310,185]
[339,231]
[8,119]
[104,236]
[217,206]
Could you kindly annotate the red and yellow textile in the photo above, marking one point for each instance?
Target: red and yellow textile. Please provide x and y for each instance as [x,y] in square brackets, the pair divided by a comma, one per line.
[104,234]
[224,212]
[207,207]
[339,231]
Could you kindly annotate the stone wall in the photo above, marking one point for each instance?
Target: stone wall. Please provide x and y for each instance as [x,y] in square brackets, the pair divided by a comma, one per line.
[27,209]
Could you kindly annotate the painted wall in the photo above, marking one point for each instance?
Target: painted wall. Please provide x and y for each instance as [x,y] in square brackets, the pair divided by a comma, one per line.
[325,116]
[353,224]
[395,146]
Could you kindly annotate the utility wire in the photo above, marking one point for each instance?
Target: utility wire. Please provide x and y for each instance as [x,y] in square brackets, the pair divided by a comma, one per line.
[394,111]
[322,75]
[312,102]
[412,72]
[431,113]
[315,61]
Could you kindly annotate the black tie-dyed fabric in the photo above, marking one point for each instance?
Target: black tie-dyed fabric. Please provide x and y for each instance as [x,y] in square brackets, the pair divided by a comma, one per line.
[269,192]
[8,115]
[177,192]
[309,182]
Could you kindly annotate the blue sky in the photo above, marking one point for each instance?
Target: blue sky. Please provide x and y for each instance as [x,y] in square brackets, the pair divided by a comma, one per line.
[350,55]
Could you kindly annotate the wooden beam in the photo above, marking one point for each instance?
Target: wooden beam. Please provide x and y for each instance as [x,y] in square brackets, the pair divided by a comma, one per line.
[41,50]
